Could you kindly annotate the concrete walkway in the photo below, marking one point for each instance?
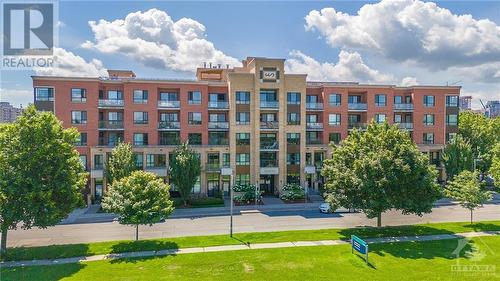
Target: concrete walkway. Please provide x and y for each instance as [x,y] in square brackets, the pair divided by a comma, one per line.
[166,252]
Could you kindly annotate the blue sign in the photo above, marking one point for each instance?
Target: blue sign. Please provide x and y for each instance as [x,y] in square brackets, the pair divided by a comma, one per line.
[360,246]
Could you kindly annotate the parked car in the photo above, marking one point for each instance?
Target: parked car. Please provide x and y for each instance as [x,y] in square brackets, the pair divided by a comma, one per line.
[325,208]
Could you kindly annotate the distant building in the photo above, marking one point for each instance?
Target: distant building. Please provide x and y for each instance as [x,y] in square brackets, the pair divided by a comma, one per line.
[465,103]
[9,113]
[492,109]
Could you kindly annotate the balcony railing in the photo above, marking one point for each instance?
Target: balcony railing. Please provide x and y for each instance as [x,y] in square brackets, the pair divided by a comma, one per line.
[218,125]
[269,145]
[314,126]
[403,106]
[357,106]
[405,126]
[359,126]
[169,141]
[169,125]
[111,124]
[314,106]
[271,125]
[109,142]
[218,141]
[269,104]
[218,105]
[212,167]
[314,141]
[269,163]
[111,103]
[169,103]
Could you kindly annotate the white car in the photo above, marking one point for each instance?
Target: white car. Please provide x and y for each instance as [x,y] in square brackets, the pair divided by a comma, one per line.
[324,208]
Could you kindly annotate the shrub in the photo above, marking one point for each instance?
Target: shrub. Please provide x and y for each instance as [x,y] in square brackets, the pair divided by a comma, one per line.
[247,193]
[292,191]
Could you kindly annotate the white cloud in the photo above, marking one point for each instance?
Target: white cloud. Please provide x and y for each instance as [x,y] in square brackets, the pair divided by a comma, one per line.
[155,40]
[413,31]
[69,64]
[409,81]
[16,97]
[488,72]
[350,67]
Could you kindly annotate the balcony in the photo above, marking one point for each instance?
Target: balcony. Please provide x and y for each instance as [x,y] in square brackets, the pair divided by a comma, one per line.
[269,163]
[169,125]
[218,141]
[357,106]
[314,106]
[108,142]
[111,125]
[314,141]
[405,107]
[269,104]
[269,125]
[169,104]
[314,126]
[222,126]
[212,167]
[159,171]
[269,145]
[358,126]
[111,103]
[218,105]
[405,126]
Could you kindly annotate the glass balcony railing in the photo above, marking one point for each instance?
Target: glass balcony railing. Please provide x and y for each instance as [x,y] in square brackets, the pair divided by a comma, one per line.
[403,106]
[109,141]
[218,104]
[357,106]
[314,141]
[169,125]
[169,141]
[111,102]
[218,141]
[212,167]
[314,126]
[111,124]
[269,163]
[271,125]
[269,104]
[269,145]
[169,103]
[405,126]
[218,125]
[359,126]
[314,106]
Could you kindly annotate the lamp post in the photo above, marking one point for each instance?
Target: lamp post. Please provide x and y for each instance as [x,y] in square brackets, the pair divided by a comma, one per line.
[231,207]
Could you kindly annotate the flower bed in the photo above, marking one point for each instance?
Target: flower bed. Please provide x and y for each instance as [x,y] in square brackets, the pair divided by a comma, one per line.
[293,193]
[246,194]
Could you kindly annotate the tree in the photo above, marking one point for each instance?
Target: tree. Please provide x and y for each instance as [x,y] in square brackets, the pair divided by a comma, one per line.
[41,175]
[495,165]
[121,163]
[379,170]
[458,156]
[184,170]
[467,189]
[141,198]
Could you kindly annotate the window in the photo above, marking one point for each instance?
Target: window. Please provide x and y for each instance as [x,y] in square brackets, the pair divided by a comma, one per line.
[293,138]
[98,161]
[242,97]
[450,136]
[428,138]
[140,117]
[226,160]
[334,119]
[293,159]
[242,138]
[334,137]
[451,101]
[398,118]
[156,160]
[140,139]
[197,186]
[218,138]
[169,96]
[311,118]
[242,118]
[428,119]
[194,138]
[78,95]
[115,95]
[194,97]
[44,94]
[452,119]
[335,99]
[194,118]
[429,101]
[293,98]
[398,99]
[83,160]
[242,179]
[82,140]
[242,159]
[138,160]
[79,117]
[168,138]
[354,99]
[293,119]
[380,118]
[311,99]
[380,100]
[140,96]
[293,178]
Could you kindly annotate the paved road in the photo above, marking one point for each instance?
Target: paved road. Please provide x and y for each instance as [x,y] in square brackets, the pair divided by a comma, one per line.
[248,222]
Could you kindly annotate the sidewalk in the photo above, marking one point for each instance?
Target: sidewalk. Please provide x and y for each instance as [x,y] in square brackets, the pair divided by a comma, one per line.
[244,247]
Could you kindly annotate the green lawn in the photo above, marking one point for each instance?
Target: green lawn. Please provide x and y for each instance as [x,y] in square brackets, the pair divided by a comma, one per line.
[432,260]
[86,249]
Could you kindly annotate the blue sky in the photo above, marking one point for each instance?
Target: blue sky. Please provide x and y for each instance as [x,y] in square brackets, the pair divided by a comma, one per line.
[278,29]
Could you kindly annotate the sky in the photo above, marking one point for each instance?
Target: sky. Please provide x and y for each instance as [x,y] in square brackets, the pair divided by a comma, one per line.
[401,43]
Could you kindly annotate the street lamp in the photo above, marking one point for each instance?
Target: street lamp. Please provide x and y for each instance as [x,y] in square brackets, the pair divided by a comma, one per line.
[231,207]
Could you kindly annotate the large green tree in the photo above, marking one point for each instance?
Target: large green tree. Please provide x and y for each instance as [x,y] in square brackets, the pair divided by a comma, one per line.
[467,189]
[495,165]
[41,175]
[139,199]
[185,169]
[120,164]
[379,170]
[458,156]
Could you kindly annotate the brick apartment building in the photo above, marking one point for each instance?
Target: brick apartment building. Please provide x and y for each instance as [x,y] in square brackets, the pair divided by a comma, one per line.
[256,122]
[9,113]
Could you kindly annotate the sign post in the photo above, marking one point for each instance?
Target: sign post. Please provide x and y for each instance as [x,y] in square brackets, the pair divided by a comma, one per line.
[360,246]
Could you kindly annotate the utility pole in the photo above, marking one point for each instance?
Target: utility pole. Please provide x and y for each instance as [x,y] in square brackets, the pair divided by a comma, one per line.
[231,207]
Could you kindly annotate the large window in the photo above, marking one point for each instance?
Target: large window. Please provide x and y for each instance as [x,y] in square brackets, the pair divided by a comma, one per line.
[194,118]
[78,95]
[334,119]
[169,96]
[293,138]
[140,96]
[194,138]
[194,97]
[293,118]
[242,118]
[429,101]
[44,94]
[98,161]
[293,159]
[335,99]
[451,101]
[83,160]
[115,95]
[293,98]
[452,119]
[140,117]
[242,138]
[156,160]
[140,139]
[78,117]
[242,97]
[82,140]
[428,138]
[139,160]
[380,118]
[242,179]
[334,137]
[242,159]
[428,119]
[380,100]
